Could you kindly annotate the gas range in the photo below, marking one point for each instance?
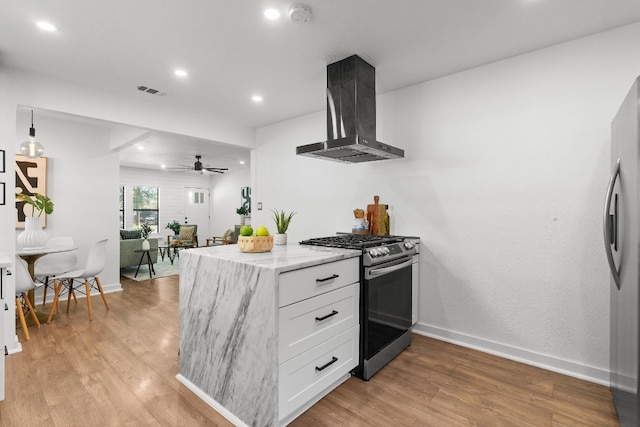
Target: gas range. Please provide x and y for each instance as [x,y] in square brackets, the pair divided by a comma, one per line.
[375,249]
[386,294]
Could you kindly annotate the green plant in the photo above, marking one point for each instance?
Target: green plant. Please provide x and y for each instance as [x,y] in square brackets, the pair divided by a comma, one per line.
[282,220]
[145,229]
[243,210]
[38,203]
[174,225]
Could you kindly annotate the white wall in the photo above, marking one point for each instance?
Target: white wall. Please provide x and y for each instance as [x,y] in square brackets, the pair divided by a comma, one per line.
[504,177]
[226,198]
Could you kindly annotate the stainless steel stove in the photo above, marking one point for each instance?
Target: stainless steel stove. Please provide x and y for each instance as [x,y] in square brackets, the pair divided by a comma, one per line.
[386,271]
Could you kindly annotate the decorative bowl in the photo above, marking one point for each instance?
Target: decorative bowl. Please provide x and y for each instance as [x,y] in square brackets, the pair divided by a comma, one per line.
[255,243]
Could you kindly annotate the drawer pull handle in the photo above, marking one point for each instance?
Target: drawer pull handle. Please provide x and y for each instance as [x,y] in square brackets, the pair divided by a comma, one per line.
[326,279]
[326,365]
[320,319]
[6,352]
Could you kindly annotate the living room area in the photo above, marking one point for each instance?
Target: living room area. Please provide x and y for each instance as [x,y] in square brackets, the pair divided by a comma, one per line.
[85,178]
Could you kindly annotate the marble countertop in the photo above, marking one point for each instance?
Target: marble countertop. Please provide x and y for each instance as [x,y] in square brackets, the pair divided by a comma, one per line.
[4,260]
[281,258]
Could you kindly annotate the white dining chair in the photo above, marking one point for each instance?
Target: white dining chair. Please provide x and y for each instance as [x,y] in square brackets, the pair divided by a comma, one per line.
[88,274]
[24,284]
[56,264]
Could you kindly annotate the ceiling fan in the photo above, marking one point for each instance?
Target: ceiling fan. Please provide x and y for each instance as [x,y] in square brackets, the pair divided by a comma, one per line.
[197,166]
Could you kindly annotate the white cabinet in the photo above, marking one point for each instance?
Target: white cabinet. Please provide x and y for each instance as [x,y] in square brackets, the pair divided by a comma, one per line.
[263,336]
[319,330]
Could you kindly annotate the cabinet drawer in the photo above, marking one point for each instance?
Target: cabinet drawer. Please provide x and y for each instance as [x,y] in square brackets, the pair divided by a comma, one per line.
[305,283]
[307,323]
[307,375]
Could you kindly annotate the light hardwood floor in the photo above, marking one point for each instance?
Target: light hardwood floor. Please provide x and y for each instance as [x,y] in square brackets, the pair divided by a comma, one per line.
[119,370]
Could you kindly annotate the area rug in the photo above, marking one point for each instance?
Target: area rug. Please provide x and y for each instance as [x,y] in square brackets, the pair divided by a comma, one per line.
[162,268]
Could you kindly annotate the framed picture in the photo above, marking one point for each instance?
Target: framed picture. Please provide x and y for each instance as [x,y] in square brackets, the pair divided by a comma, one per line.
[31,178]
[3,195]
[245,199]
[3,164]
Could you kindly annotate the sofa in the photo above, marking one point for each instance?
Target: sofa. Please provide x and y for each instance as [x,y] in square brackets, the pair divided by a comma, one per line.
[130,241]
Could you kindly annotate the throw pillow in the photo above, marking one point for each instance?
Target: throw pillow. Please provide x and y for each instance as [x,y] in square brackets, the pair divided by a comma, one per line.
[186,233]
[130,234]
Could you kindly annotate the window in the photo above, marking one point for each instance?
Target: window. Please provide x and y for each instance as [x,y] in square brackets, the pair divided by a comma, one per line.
[122,208]
[145,207]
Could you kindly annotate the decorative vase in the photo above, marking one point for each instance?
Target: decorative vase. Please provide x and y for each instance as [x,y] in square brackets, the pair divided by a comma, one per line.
[280,239]
[33,236]
[241,219]
[145,245]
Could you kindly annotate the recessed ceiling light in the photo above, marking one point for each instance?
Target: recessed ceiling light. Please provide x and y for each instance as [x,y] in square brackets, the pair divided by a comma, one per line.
[46,26]
[140,148]
[272,14]
[163,166]
[256,98]
[242,162]
[181,73]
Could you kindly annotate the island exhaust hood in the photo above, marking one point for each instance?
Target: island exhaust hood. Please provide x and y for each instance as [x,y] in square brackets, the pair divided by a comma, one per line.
[351,116]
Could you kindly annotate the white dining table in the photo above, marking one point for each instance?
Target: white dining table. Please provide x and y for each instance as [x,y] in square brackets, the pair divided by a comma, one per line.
[31,255]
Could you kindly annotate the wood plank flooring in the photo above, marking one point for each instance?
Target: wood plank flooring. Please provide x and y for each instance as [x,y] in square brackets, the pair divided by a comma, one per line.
[119,370]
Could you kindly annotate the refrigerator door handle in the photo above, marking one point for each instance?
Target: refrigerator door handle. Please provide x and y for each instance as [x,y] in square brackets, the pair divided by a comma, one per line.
[608,225]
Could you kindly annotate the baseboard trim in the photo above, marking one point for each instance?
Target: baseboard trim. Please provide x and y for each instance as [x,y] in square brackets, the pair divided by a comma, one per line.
[211,402]
[550,363]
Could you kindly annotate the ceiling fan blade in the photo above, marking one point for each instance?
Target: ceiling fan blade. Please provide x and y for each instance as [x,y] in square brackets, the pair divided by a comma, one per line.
[216,170]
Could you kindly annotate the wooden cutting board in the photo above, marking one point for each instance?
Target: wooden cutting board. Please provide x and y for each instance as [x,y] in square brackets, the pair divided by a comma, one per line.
[378,218]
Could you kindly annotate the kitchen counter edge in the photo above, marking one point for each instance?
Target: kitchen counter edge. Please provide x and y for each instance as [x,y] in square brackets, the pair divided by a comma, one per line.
[281,258]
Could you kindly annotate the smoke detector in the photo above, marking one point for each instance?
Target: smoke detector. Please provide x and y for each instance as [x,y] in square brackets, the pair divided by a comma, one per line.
[300,13]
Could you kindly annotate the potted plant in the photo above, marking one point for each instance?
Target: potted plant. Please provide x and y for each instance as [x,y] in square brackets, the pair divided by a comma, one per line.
[174,226]
[282,221]
[33,236]
[243,211]
[145,229]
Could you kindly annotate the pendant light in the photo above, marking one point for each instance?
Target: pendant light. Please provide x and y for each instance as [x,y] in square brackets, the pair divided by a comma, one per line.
[31,148]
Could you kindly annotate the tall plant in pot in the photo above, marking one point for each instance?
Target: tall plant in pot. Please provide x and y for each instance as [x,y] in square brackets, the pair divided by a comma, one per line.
[243,212]
[33,236]
[282,220]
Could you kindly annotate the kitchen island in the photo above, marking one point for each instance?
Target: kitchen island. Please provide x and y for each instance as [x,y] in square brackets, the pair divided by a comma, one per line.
[263,336]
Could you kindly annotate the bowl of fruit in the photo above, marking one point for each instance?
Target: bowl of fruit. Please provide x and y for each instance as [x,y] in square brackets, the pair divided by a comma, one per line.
[260,241]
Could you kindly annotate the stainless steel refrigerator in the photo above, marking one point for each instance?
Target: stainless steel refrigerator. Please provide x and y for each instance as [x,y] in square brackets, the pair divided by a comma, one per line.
[622,238]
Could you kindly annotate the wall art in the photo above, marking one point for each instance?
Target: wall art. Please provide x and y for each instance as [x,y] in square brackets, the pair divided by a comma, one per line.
[31,178]
[245,199]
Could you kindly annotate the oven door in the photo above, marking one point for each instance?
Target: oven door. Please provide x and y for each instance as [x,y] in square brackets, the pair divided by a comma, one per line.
[386,304]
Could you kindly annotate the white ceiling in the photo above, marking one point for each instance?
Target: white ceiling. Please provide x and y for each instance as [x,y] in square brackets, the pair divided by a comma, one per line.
[232,52]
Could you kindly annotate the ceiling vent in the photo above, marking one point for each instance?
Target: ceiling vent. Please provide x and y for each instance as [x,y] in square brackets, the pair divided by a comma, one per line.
[151,91]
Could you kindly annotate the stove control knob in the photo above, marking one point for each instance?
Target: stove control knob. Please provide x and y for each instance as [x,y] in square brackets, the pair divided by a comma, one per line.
[385,251]
[373,253]
[409,245]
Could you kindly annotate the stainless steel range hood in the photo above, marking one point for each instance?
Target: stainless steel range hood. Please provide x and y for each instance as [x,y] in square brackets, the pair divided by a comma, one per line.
[351,116]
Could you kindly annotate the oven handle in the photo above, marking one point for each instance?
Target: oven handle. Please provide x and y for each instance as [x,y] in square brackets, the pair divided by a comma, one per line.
[373,272]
